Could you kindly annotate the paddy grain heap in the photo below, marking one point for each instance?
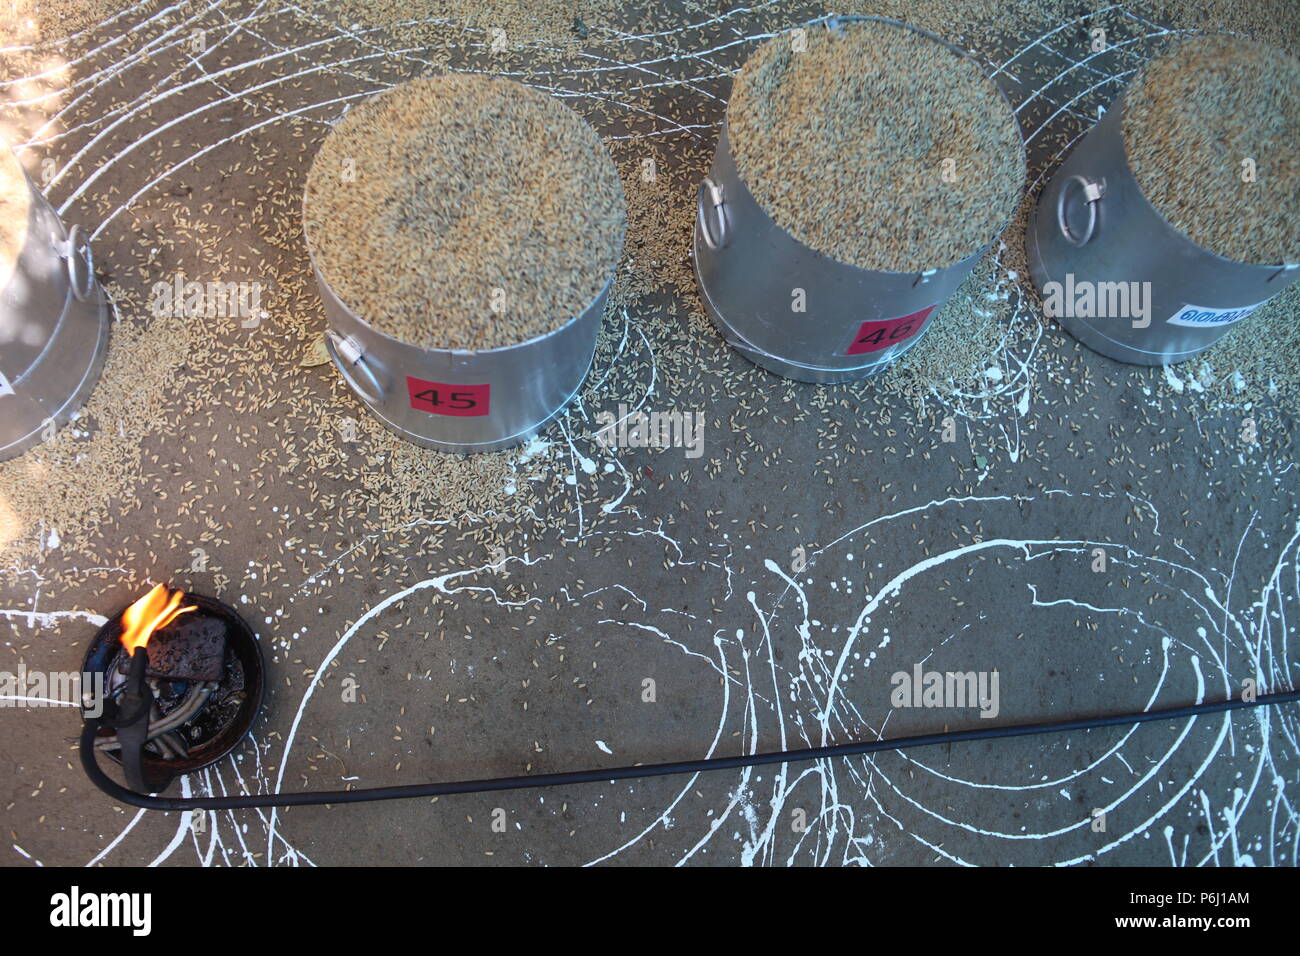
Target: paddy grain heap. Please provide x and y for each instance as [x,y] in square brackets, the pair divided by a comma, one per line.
[15,200]
[464,212]
[876,146]
[1193,117]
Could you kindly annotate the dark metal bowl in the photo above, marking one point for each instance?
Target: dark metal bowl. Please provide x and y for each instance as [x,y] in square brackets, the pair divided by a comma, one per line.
[242,649]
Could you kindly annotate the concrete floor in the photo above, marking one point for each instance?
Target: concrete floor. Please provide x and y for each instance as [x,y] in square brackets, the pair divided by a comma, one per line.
[976,554]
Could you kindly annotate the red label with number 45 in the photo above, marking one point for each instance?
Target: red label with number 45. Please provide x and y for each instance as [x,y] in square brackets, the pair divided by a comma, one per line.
[876,335]
[442,399]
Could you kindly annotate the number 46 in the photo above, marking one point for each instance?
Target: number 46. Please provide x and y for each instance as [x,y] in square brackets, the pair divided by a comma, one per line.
[879,336]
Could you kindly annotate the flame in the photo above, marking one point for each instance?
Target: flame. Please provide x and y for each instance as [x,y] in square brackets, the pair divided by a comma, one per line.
[156,609]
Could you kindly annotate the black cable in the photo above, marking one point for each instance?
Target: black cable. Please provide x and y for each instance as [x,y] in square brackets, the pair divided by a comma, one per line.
[317,797]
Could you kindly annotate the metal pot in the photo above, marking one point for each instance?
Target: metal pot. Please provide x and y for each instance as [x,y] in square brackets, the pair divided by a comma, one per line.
[1093,225]
[857,321]
[54,326]
[456,400]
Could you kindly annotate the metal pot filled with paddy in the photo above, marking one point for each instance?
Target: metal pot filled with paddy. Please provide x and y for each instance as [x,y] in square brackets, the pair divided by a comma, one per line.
[864,168]
[464,232]
[54,318]
[1178,215]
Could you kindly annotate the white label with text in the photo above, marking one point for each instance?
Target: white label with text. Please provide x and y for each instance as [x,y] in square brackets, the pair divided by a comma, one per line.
[1203,317]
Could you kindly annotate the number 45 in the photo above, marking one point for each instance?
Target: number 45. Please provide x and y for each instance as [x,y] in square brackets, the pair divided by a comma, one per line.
[457,400]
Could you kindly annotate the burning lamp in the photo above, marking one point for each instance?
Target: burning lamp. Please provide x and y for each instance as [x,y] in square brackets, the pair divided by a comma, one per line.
[183,681]
[184,685]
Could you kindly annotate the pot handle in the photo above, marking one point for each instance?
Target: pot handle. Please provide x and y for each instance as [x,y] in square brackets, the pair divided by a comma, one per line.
[711,199]
[1092,192]
[355,368]
[81,263]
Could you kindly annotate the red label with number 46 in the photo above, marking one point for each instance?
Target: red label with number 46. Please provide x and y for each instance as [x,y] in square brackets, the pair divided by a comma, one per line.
[876,335]
[442,399]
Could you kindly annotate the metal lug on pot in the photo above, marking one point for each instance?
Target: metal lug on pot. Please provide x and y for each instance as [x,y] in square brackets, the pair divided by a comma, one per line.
[1093,191]
[81,262]
[349,351]
[713,200]
[361,373]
